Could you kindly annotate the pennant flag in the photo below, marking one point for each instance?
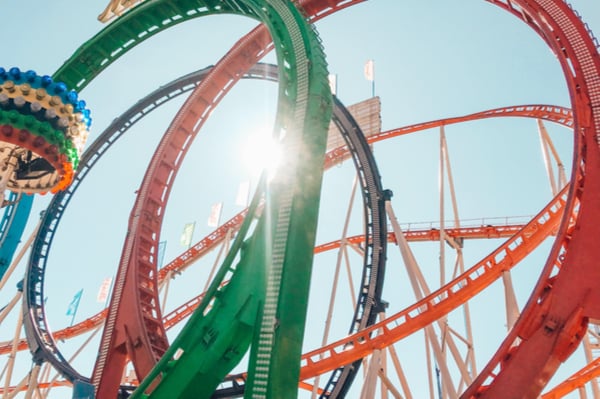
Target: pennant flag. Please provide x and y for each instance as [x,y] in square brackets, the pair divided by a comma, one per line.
[243,194]
[333,83]
[104,290]
[72,309]
[215,214]
[162,246]
[370,70]
[186,236]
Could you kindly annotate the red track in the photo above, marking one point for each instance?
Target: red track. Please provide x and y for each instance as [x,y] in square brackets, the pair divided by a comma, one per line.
[552,323]
[555,318]
[177,265]
[439,302]
[134,330]
[550,113]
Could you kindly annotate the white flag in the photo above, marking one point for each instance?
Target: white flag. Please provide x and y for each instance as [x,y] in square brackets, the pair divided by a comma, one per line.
[186,236]
[104,289]
[370,70]
[242,195]
[333,83]
[215,214]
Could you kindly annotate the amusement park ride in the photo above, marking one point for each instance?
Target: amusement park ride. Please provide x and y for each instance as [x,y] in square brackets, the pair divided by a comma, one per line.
[246,330]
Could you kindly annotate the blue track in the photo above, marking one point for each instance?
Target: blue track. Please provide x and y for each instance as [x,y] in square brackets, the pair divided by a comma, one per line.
[12,227]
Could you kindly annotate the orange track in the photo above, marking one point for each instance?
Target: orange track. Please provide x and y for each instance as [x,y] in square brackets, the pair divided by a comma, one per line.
[556,114]
[420,314]
[555,319]
[184,310]
[439,302]
[134,329]
[551,325]
[215,238]
[591,370]
[208,243]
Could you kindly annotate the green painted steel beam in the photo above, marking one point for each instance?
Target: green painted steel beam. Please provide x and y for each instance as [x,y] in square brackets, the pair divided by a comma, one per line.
[129,30]
[273,264]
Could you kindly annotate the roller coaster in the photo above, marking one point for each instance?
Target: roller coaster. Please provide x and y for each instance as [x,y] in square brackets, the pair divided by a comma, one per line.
[248,332]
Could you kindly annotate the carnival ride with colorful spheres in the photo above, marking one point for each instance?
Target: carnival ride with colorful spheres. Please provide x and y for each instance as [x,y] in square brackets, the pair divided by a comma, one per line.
[259,280]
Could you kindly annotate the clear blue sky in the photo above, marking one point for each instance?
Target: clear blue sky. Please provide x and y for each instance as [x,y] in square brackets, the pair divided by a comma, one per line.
[433,59]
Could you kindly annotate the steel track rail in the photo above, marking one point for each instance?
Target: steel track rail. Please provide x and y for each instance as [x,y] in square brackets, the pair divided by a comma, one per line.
[46,342]
[441,301]
[88,62]
[530,17]
[170,91]
[290,218]
[12,226]
[369,298]
[555,318]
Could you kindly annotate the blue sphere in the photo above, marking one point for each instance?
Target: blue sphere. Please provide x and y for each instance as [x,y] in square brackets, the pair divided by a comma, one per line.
[60,87]
[15,72]
[30,76]
[46,81]
[72,97]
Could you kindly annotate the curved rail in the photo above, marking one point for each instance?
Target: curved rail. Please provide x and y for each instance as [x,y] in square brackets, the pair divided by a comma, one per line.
[587,129]
[181,312]
[12,226]
[577,380]
[439,302]
[555,318]
[101,39]
[283,239]
[154,301]
[118,127]
[369,295]
[146,21]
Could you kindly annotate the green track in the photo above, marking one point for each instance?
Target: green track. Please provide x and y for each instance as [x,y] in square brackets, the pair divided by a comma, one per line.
[269,267]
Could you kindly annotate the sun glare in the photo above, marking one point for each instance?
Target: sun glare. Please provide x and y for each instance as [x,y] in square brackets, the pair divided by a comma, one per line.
[261,152]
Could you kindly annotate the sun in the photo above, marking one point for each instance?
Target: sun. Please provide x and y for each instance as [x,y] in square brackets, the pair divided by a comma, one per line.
[261,152]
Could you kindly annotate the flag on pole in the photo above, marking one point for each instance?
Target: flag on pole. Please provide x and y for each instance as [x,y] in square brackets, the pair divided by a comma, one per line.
[72,309]
[243,193]
[333,83]
[215,214]
[370,70]
[162,246]
[104,290]
[186,236]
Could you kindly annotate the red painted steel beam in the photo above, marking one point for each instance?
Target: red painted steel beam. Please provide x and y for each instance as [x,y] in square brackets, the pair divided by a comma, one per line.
[215,238]
[555,318]
[133,330]
[112,347]
[547,112]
